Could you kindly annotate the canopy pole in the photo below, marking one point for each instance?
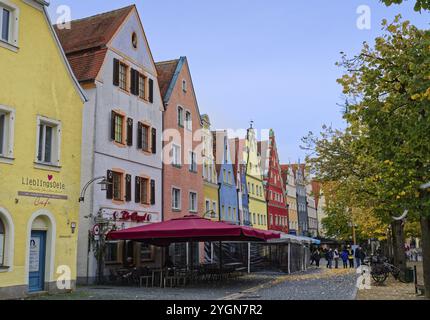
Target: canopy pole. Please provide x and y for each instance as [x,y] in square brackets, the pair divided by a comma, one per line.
[249,257]
[220,257]
[212,252]
[289,258]
[187,248]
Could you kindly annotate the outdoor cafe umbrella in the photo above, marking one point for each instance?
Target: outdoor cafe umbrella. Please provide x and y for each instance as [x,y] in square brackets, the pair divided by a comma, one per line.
[191,229]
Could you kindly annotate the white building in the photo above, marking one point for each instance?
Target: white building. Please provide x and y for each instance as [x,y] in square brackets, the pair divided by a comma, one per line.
[312,211]
[122,127]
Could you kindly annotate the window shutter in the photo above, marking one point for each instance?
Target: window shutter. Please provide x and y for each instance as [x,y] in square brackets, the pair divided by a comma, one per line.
[116,72]
[152,192]
[154,140]
[109,186]
[151,90]
[137,190]
[127,187]
[129,131]
[134,82]
[139,135]
[112,126]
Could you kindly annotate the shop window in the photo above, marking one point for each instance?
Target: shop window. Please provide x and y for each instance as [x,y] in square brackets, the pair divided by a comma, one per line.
[111,255]
[146,252]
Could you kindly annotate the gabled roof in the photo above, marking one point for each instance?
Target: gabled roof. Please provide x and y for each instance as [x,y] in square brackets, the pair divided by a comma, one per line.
[166,70]
[85,42]
[92,32]
[168,73]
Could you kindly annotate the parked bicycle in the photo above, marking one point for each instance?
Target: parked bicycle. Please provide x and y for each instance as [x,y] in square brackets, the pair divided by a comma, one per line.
[380,269]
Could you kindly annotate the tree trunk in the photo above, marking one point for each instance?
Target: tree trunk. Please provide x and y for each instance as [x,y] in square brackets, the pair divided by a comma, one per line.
[425,244]
[398,240]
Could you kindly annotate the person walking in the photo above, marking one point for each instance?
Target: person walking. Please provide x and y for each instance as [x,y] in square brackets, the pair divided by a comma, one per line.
[357,256]
[336,258]
[329,257]
[317,257]
[344,257]
[312,257]
[350,256]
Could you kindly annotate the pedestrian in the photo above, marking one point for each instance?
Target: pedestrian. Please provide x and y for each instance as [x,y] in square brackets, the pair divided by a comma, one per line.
[357,256]
[350,256]
[313,257]
[336,258]
[344,257]
[329,257]
[317,257]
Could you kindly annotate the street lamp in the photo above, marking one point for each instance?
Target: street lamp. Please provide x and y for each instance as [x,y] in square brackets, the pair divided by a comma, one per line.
[103,183]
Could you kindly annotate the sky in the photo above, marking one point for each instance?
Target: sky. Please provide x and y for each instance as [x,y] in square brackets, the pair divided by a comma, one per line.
[270,61]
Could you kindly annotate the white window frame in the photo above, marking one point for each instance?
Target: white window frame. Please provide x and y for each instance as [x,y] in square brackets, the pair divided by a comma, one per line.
[215,207]
[6,155]
[176,159]
[188,123]
[8,241]
[194,203]
[180,120]
[192,164]
[56,143]
[180,198]
[12,43]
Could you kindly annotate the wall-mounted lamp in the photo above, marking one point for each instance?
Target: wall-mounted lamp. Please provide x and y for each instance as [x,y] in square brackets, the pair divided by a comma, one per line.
[73,226]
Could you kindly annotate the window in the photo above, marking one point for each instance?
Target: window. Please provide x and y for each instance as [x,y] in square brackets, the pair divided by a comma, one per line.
[223,211]
[205,176]
[214,207]
[176,155]
[184,85]
[118,125]
[145,138]
[142,86]
[6,132]
[5,24]
[2,242]
[111,255]
[48,141]
[207,206]
[188,121]
[117,178]
[134,40]
[180,116]
[229,178]
[224,175]
[144,191]
[123,76]
[176,199]
[193,162]
[193,202]
[146,252]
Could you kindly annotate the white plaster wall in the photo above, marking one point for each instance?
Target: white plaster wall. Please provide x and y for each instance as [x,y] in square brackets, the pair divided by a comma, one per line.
[100,154]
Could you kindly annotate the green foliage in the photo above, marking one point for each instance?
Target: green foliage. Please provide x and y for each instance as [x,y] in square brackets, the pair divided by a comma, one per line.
[419,5]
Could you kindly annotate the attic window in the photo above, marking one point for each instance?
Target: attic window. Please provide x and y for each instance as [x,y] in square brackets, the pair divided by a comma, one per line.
[134,40]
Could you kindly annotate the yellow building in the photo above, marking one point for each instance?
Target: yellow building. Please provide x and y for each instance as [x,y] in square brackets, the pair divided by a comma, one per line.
[254,179]
[210,186]
[40,150]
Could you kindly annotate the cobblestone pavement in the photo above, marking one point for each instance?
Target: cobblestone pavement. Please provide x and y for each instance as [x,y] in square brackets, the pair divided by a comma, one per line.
[312,284]
[318,284]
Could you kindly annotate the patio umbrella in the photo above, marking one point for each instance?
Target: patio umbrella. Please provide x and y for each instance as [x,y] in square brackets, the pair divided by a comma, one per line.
[191,229]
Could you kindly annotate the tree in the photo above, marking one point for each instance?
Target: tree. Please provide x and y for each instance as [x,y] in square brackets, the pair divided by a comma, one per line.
[419,5]
[388,93]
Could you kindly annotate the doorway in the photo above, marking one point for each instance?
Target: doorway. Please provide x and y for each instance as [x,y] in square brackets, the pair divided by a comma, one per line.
[37,259]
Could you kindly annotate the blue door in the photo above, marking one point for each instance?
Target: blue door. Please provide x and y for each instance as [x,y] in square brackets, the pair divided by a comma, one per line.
[36,280]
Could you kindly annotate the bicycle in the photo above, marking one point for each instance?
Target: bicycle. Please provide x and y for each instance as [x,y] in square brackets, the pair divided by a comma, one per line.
[380,269]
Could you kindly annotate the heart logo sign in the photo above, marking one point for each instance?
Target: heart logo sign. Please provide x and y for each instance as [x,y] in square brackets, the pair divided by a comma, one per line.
[50,177]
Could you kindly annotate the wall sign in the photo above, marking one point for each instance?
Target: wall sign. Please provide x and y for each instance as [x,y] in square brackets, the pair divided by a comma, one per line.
[132,216]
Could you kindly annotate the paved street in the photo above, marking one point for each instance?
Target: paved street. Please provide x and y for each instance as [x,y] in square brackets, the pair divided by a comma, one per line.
[310,285]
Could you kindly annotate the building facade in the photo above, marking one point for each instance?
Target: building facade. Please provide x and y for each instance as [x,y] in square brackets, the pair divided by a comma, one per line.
[312,211]
[254,180]
[210,179]
[317,189]
[274,185]
[40,146]
[289,179]
[122,126]
[182,151]
[228,197]
[302,206]
[237,147]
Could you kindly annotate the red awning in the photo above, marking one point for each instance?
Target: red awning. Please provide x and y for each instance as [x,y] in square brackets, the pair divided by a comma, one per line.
[191,229]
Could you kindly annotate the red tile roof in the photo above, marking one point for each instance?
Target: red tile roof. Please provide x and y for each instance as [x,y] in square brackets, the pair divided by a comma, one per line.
[87,65]
[165,71]
[85,42]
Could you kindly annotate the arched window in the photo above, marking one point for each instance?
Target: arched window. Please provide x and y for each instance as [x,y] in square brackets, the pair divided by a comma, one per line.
[2,241]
